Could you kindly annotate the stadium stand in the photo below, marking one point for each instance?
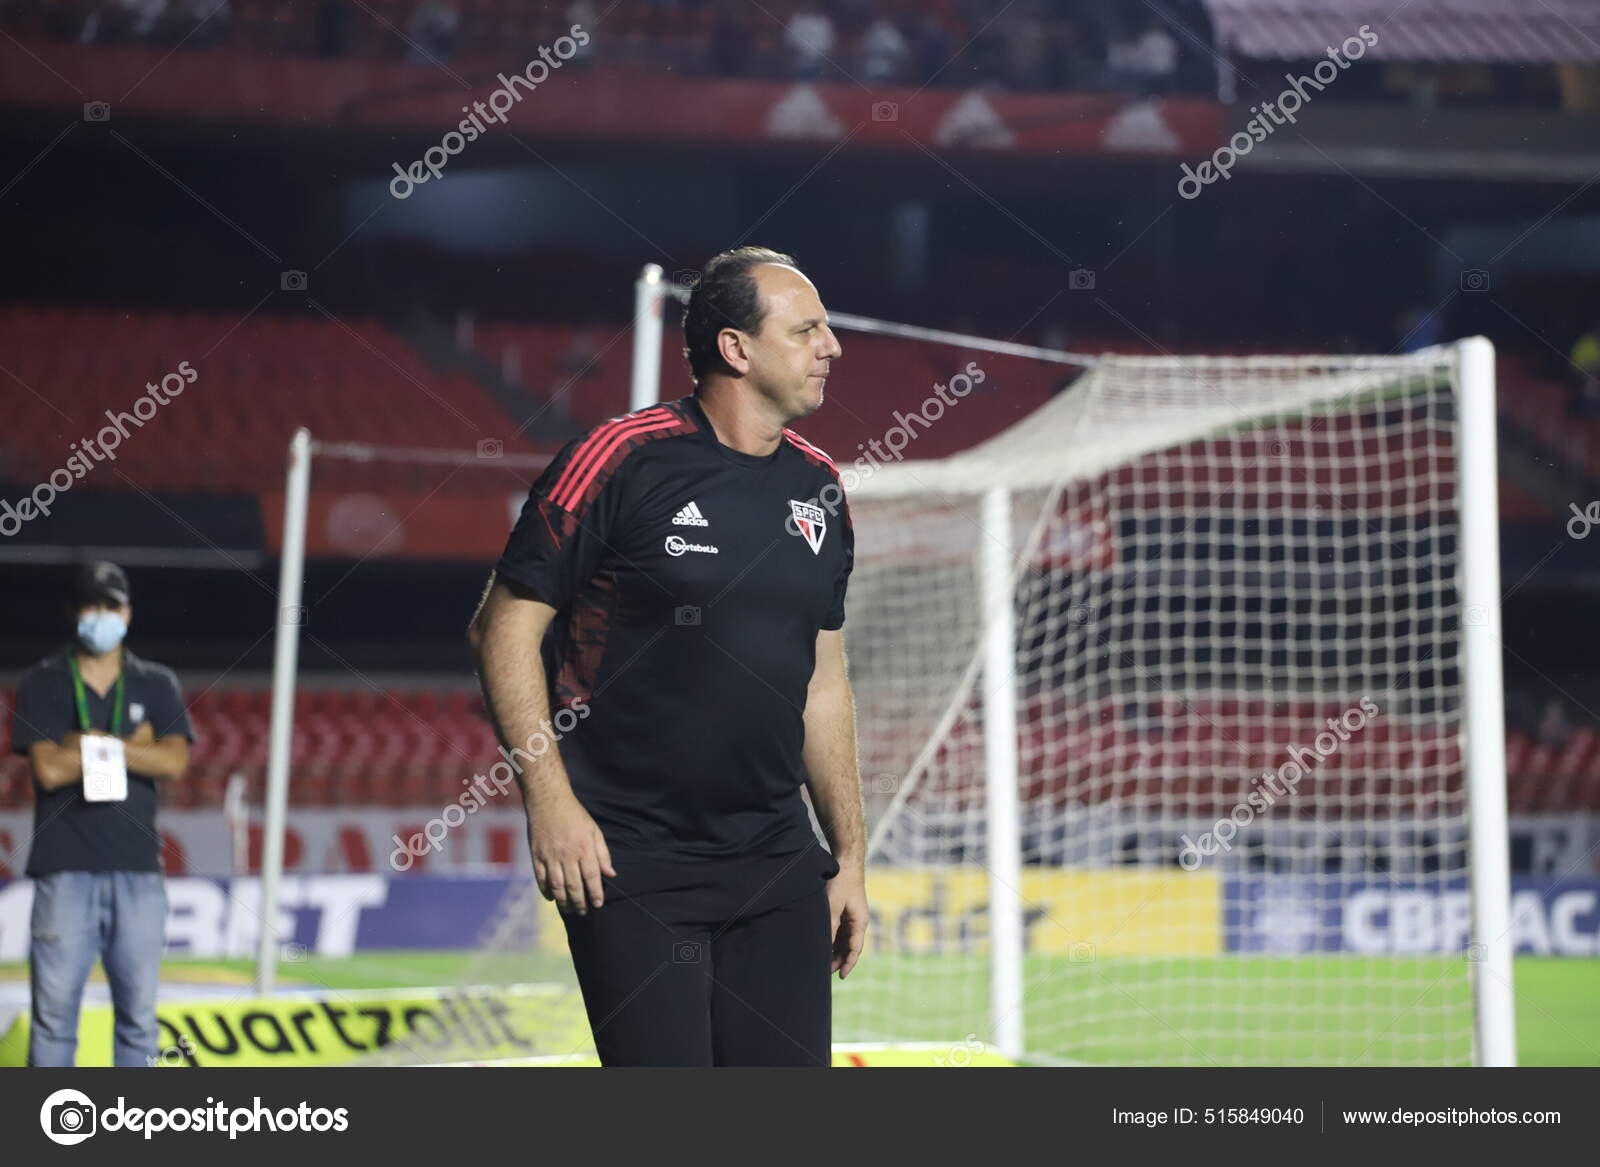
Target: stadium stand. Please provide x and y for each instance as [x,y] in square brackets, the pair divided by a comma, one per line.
[345,380]
[412,748]
[1550,412]
[1074,45]
[276,373]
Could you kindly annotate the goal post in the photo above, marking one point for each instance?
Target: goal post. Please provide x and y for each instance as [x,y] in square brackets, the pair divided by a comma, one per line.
[280,734]
[649,303]
[511,473]
[1485,717]
[1003,831]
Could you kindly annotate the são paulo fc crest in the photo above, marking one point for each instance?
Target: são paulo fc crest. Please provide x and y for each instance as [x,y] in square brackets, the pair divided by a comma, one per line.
[808,520]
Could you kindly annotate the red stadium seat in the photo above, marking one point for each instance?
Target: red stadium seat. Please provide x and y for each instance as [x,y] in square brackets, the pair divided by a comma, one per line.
[357,747]
[272,377]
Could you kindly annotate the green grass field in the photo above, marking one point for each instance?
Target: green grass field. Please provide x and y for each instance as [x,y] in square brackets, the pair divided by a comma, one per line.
[1201,1011]
[1241,1010]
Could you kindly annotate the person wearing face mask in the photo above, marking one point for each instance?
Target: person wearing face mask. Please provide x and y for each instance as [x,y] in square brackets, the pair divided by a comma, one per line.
[102,729]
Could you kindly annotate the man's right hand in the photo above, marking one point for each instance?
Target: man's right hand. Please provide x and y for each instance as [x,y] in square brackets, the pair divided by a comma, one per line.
[569,853]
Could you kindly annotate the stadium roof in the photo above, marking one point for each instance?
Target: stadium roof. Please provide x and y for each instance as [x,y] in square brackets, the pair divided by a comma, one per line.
[1486,31]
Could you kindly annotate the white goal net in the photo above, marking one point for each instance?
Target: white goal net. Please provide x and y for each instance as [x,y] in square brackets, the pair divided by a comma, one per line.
[1241,823]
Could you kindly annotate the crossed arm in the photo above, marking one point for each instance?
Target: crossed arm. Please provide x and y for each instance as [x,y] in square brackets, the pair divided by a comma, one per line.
[58,764]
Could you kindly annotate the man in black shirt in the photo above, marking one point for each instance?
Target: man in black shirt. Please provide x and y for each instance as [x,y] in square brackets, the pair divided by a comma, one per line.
[684,569]
[95,861]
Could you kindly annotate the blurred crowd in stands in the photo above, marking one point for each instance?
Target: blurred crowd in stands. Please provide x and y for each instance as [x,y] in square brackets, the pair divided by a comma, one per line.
[1020,45]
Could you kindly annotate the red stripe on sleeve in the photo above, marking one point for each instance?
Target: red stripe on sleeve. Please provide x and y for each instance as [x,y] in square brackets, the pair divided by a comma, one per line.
[584,457]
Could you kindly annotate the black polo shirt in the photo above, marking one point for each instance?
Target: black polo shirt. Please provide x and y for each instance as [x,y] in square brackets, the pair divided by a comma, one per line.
[691,581]
[70,833]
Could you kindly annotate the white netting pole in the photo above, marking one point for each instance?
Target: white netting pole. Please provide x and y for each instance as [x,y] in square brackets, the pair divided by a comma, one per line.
[1003,839]
[649,297]
[1496,1043]
[286,648]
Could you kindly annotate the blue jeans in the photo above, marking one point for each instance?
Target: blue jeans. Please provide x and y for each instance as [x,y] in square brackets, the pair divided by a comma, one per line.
[119,916]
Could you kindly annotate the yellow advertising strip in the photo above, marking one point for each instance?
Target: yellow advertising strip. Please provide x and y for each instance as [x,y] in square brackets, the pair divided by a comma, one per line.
[1080,914]
[341,1028]
[327,1029]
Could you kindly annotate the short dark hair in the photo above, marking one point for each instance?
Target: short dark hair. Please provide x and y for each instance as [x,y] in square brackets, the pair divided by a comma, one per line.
[725,296]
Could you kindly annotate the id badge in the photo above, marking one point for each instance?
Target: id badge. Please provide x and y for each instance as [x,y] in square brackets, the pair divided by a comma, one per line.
[105,769]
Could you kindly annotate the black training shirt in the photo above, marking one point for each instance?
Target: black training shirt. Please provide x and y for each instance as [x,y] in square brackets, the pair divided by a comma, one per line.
[691,581]
[70,833]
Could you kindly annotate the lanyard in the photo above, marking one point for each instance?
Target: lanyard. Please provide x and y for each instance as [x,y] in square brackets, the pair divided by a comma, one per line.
[83,701]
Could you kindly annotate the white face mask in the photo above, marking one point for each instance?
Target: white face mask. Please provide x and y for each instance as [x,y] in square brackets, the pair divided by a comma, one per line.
[101,631]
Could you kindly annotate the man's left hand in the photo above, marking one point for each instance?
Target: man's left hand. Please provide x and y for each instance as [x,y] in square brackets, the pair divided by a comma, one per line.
[847,901]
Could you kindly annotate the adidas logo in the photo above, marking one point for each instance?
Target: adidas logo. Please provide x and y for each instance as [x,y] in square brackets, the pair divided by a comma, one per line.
[690,516]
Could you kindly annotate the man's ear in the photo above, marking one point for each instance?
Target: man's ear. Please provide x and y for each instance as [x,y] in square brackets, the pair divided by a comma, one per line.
[731,346]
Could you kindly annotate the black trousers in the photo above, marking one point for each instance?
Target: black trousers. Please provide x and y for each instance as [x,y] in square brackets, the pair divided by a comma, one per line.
[710,962]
